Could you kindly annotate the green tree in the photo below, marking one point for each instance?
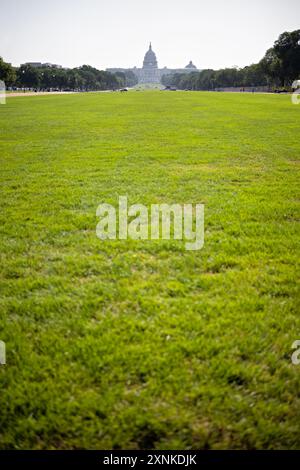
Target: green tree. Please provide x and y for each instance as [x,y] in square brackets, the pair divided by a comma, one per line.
[253,75]
[7,73]
[28,76]
[281,63]
[287,49]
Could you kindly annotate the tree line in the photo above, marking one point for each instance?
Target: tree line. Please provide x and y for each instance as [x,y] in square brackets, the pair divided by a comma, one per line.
[84,78]
[277,70]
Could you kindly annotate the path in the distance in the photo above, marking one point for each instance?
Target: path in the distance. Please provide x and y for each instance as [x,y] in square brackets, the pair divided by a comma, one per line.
[33,93]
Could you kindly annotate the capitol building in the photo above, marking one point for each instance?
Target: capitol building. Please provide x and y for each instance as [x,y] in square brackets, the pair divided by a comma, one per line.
[150,73]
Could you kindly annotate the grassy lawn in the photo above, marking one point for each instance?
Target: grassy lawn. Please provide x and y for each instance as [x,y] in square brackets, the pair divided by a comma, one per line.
[142,344]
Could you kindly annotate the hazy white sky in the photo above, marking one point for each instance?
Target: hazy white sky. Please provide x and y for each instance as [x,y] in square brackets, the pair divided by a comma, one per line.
[116,33]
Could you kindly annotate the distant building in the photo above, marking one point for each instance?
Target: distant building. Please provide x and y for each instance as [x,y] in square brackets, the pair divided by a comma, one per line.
[38,65]
[150,73]
[191,66]
[53,66]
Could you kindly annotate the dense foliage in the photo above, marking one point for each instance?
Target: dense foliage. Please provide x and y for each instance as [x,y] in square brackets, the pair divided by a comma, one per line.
[84,78]
[250,76]
[279,67]
[7,73]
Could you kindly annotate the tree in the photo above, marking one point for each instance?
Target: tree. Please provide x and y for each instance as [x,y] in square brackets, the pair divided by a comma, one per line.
[253,75]
[206,80]
[7,73]
[28,76]
[130,78]
[272,67]
[75,81]
[287,49]
[126,78]
[281,63]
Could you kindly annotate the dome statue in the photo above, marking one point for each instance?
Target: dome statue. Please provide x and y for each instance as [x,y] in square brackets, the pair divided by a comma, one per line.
[150,60]
[149,73]
[190,65]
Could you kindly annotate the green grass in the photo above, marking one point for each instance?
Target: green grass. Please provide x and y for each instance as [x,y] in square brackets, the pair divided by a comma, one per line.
[142,344]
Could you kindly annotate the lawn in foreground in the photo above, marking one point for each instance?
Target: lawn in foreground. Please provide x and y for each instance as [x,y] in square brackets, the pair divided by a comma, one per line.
[130,344]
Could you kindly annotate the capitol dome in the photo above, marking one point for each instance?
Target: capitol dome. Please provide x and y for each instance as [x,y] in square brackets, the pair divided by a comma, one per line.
[150,60]
[190,65]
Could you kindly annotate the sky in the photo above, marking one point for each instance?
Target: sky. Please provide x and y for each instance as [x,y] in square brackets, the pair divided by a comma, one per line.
[103,33]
